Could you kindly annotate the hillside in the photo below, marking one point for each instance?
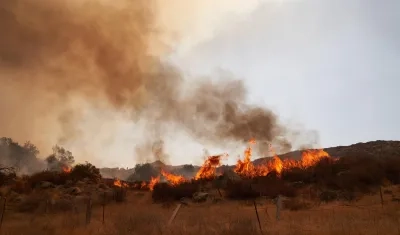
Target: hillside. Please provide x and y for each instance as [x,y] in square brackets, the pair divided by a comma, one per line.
[372,148]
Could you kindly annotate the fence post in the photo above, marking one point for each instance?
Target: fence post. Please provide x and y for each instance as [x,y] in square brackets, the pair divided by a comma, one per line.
[3,212]
[104,205]
[278,204]
[174,214]
[258,218]
[89,211]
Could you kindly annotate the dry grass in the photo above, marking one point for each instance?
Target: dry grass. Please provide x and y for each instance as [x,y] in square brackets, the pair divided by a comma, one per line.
[139,216]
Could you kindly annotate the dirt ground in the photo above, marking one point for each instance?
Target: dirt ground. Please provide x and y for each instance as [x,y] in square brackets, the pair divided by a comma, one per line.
[140,216]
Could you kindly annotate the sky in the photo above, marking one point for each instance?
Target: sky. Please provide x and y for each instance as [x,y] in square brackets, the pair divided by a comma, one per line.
[329,66]
[332,66]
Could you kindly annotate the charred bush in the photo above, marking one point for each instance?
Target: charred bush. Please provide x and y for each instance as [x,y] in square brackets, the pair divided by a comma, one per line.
[241,190]
[297,175]
[85,171]
[273,186]
[120,194]
[166,192]
[7,174]
[54,177]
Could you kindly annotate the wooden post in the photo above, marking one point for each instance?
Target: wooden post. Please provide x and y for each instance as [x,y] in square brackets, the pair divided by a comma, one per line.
[278,204]
[3,212]
[88,211]
[219,192]
[380,192]
[258,218]
[174,214]
[104,204]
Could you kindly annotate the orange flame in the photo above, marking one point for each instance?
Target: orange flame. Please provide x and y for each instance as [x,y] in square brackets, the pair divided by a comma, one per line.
[208,169]
[153,182]
[66,169]
[246,168]
[119,183]
[173,179]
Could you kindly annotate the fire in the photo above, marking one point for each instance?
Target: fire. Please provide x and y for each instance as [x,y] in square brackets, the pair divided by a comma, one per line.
[153,182]
[173,179]
[66,169]
[208,169]
[246,168]
[311,157]
[119,183]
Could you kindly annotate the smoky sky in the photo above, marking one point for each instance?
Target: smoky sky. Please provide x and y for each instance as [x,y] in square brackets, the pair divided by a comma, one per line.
[56,57]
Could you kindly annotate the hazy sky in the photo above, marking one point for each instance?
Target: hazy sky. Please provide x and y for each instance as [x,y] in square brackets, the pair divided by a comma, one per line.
[331,65]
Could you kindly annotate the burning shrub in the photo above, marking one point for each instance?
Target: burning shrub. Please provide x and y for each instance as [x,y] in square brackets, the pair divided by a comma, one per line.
[166,192]
[87,170]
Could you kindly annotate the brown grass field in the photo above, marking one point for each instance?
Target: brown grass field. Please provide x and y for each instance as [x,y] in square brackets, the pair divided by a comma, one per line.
[138,215]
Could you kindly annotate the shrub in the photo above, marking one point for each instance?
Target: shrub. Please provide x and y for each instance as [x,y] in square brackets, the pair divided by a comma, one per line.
[87,170]
[241,190]
[120,194]
[54,177]
[165,192]
[7,174]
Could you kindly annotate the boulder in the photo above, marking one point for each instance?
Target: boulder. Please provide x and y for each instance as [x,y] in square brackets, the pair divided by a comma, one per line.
[200,197]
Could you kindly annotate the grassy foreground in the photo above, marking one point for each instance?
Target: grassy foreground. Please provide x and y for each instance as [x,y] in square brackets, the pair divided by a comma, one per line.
[140,216]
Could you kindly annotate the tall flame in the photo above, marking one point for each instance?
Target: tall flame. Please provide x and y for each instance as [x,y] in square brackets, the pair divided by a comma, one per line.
[209,168]
[153,182]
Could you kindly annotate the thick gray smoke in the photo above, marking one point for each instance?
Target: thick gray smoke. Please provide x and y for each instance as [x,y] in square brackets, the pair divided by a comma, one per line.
[58,56]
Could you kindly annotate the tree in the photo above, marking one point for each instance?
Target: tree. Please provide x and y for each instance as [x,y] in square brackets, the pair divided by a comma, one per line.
[143,172]
[19,156]
[87,170]
[60,158]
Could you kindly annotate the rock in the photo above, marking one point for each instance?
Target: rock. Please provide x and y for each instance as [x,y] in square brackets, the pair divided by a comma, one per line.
[74,191]
[200,197]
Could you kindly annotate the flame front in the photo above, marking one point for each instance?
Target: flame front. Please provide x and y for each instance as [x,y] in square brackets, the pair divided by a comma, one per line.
[209,168]
[118,183]
[246,168]
[173,179]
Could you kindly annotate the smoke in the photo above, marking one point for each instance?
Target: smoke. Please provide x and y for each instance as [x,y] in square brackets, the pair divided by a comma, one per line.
[62,61]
